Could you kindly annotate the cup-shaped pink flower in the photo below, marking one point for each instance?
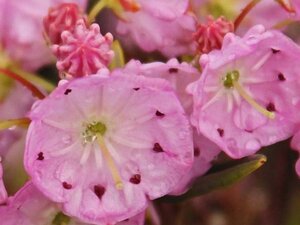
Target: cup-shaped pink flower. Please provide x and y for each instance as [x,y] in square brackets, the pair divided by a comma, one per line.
[248,91]
[84,51]
[108,146]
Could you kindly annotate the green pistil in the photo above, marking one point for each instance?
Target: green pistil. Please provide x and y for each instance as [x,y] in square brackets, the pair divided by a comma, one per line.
[93,130]
[96,128]
[230,78]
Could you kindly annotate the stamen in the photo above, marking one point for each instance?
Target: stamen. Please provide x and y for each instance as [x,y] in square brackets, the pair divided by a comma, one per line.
[110,161]
[262,61]
[252,102]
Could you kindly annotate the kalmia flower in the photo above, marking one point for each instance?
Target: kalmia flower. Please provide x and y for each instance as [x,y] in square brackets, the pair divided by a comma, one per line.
[111,144]
[83,51]
[160,25]
[62,18]
[210,36]
[247,93]
[21,31]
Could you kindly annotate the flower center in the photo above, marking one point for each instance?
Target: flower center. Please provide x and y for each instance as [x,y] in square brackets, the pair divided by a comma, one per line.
[93,130]
[230,78]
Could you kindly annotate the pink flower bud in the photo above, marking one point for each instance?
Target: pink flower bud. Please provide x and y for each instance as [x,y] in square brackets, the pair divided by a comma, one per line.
[210,36]
[83,51]
[61,18]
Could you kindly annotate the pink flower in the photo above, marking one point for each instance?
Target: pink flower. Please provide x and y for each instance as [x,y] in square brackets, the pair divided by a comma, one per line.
[21,31]
[162,25]
[61,18]
[83,51]
[210,36]
[111,144]
[3,193]
[247,93]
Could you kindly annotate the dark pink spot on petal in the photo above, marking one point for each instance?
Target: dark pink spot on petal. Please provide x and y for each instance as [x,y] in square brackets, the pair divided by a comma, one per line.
[271,107]
[67,91]
[275,50]
[40,156]
[248,131]
[135,179]
[159,114]
[66,185]
[196,152]
[221,132]
[136,89]
[99,190]
[281,77]
[173,70]
[157,148]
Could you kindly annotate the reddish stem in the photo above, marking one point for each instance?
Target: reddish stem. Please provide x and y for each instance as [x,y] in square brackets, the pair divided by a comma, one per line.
[244,13]
[34,90]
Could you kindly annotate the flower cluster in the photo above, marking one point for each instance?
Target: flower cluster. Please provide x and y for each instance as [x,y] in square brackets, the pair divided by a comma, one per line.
[116,133]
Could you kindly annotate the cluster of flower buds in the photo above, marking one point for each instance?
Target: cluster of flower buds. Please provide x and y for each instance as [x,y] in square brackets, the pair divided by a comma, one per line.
[117,133]
[80,48]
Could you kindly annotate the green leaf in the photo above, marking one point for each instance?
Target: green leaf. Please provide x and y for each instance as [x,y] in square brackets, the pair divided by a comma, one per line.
[119,59]
[221,179]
